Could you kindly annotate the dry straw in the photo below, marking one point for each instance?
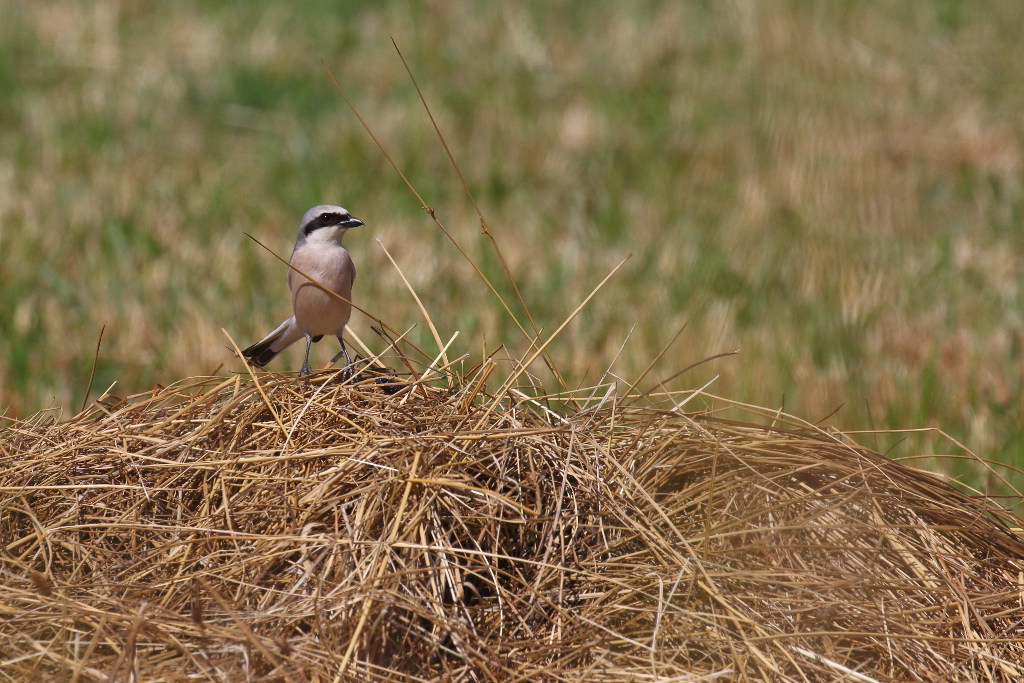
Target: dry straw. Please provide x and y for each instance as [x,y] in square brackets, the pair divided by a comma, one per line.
[312,529]
[270,528]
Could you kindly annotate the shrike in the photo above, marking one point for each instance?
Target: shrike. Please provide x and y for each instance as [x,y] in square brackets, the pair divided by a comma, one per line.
[319,254]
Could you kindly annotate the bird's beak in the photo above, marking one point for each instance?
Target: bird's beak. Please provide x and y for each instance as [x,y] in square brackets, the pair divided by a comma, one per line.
[352,222]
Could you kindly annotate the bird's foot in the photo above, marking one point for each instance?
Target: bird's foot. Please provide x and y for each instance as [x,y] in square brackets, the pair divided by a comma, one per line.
[348,371]
[305,370]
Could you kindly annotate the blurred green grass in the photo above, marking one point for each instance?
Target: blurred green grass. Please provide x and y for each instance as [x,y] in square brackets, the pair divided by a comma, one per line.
[835,188]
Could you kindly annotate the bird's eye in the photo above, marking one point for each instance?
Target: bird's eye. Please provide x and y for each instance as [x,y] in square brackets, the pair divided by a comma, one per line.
[329,219]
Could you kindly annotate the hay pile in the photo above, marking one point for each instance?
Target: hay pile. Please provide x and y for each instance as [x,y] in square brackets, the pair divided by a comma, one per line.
[311,530]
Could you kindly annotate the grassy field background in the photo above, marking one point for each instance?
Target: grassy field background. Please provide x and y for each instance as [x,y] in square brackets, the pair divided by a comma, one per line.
[834,188]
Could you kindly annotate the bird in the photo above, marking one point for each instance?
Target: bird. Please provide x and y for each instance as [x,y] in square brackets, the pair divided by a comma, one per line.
[319,254]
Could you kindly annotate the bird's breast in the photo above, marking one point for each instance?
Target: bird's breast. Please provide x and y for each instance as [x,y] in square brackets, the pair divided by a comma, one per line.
[316,311]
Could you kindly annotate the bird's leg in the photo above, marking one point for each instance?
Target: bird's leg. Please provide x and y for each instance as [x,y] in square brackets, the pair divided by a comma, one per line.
[343,352]
[305,369]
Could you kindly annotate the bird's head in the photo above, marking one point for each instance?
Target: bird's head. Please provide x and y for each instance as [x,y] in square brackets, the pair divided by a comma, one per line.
[326,223]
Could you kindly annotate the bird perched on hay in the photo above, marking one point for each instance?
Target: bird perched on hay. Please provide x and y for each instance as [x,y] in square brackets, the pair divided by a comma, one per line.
[319,254]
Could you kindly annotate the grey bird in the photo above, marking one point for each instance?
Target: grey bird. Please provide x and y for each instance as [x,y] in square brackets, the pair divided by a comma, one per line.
[318,253]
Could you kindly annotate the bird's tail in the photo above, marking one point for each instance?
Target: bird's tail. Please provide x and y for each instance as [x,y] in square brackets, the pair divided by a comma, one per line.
[263,351]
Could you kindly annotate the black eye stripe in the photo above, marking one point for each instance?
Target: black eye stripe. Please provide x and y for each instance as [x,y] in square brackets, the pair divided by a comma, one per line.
[324,220]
